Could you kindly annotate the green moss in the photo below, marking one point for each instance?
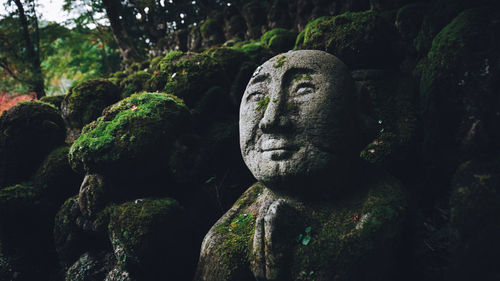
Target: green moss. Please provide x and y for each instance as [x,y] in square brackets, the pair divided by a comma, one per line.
[257,51]
[263,103]
[19,127]
[360,39]
[134,83]
[250,195]
[155,63]
[237,237]
[53,100]
[133,129]
[130,222]
[307,77]
[19,194]
[208,27]
[456,49]
[308,31]
[119,74]
[278,39]
[142,230]
[358,232]
[85,101]
[299,40]
[279,62]
[173,55]
[191,75]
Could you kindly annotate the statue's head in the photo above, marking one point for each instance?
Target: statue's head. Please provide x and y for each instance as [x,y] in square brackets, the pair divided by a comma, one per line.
[299,120]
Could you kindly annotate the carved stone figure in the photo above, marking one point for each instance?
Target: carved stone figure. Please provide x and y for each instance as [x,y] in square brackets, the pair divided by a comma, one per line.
[317,212]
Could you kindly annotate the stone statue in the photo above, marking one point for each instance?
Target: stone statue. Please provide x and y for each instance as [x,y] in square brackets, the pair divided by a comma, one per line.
[318,212]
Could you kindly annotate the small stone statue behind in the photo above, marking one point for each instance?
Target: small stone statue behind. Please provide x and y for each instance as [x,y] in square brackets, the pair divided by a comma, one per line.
[318,212]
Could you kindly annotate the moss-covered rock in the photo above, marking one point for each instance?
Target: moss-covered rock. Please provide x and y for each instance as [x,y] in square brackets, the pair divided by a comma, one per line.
[392,99]
[28,131]
[134,83]
[440,14]
[55,178]
[257,51]
[353,237]
[190,75]
[85,101]
[279,39]
[475,212]
[359,39]
[55,100]
[134,136]
[16,198]
[94,194]
[152,238]
[459,86]
[409,19]
[69,239]
[91,267]
[211,31]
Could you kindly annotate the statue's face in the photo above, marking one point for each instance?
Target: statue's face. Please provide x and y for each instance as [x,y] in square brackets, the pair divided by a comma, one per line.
[296,118]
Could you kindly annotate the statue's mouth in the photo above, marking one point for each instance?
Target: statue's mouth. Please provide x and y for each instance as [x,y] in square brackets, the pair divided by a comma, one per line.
[276,145]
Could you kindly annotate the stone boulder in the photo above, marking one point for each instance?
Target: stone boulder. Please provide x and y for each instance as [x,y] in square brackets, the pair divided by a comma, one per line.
[359,39]
[84,103]
[28,132]
[458,91]
[133,137]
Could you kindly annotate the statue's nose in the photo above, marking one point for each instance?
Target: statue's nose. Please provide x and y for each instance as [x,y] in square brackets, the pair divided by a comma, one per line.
[275,118]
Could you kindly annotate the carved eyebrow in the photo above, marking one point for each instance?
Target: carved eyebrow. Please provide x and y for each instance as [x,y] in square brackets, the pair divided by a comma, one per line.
[293,72]
[260,78]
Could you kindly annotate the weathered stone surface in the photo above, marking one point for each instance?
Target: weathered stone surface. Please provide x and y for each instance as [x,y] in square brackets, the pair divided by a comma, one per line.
[281,147]
[91,267]
[270,236]
[94,194]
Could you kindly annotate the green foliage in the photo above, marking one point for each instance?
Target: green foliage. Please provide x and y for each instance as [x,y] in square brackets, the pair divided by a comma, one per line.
[78,56]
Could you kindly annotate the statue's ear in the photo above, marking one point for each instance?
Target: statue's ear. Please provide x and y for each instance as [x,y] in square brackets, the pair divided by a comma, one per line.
[366,115]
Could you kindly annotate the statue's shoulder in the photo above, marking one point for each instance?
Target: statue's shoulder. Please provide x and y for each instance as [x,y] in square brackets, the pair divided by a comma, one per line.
[226,247]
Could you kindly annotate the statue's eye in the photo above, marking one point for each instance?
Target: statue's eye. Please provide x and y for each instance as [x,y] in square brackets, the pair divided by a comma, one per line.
[255,96]
[304,88]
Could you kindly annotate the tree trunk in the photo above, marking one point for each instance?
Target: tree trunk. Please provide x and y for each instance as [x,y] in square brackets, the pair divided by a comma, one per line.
[127,49]
[33,54]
